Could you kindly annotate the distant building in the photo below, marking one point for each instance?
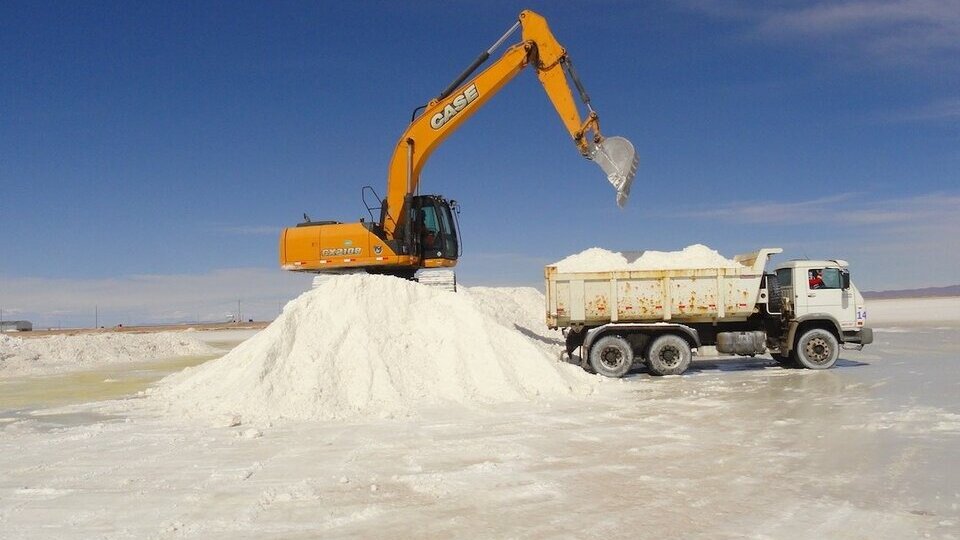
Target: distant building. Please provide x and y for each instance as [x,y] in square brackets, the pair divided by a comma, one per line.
[16,326]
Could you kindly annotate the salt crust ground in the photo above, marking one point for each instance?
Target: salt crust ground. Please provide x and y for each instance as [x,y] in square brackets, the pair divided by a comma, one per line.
[377,346]
[910,312]
[732,449]
[56,354]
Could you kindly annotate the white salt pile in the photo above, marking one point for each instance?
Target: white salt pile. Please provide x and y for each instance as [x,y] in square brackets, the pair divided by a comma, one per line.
[593,260]
[518,308]
[53,354]
[371,346]
[602,260]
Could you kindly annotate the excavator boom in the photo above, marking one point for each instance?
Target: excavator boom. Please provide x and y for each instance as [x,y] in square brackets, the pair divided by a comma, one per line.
[460,101]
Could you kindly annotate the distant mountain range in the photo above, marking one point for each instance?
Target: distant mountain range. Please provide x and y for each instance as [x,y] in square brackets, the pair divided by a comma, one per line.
[952,290]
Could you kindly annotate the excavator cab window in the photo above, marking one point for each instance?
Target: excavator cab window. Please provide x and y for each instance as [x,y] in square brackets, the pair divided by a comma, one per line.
[451,249]
[434,229]
[429,229]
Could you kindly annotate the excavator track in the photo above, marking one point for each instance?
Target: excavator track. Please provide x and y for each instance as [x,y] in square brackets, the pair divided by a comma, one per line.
[441,278]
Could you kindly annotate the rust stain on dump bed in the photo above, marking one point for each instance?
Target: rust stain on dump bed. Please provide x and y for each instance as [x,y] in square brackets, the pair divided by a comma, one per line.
[598,305]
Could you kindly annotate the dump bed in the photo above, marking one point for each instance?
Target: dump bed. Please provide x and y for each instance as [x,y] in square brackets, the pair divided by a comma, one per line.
[677,295]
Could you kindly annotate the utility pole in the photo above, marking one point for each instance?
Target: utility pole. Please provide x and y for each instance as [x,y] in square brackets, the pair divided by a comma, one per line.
[96,316]
[239,317]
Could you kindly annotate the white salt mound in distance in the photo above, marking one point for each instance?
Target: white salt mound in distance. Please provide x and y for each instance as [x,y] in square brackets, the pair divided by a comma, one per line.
[371,346]
[602,260]
[53,354]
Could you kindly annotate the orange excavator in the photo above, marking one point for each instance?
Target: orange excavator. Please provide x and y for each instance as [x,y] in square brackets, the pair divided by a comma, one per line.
[416,236]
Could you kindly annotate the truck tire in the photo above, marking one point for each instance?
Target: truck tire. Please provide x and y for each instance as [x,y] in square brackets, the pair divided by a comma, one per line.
[669,355]
[611,356]
[774,294]
[817,349]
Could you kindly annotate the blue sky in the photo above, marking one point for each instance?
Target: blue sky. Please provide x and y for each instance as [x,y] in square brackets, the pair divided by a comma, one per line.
[167,143]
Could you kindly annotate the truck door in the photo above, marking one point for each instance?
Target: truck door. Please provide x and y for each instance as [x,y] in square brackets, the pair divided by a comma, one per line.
[825,294]
[788,290]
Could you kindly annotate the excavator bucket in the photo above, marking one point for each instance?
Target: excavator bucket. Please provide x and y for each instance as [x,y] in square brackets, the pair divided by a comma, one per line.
[618,159]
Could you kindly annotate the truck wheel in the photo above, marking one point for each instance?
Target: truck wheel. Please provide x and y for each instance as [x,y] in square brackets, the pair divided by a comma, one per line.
[611,356]
[817,349]
[669,355]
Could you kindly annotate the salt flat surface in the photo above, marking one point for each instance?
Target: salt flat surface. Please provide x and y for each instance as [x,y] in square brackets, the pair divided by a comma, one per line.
[734,448]
[57,354]
[374,346]
[224,338]
[601,260]
[913,311]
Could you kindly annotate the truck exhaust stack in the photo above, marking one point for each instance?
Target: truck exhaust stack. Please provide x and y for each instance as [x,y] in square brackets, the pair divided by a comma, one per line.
[619,161]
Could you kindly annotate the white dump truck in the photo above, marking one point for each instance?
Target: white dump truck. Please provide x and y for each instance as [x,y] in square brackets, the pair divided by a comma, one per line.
[802,314]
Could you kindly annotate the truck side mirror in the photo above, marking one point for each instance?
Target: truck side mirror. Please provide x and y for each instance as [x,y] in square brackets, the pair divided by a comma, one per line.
[845,279]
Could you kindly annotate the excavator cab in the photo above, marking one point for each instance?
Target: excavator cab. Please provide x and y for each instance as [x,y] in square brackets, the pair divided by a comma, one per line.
[435,239]
[434,229]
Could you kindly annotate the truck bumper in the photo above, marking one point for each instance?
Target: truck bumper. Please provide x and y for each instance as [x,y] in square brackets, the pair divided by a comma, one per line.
[863,336]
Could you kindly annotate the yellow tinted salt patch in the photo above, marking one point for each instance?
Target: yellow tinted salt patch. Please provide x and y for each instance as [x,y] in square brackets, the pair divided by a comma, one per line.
[107,382]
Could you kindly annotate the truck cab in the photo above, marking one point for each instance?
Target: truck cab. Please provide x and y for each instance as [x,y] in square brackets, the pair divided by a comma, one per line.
[820,294]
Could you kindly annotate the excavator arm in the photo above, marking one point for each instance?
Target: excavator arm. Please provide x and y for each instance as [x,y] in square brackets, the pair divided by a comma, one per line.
[445,114]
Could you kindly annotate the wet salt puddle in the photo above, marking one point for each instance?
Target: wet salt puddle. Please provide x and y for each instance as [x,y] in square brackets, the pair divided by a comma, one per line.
[48,422]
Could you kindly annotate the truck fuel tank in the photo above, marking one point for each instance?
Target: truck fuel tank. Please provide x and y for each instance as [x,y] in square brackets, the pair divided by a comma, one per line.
[743,343]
